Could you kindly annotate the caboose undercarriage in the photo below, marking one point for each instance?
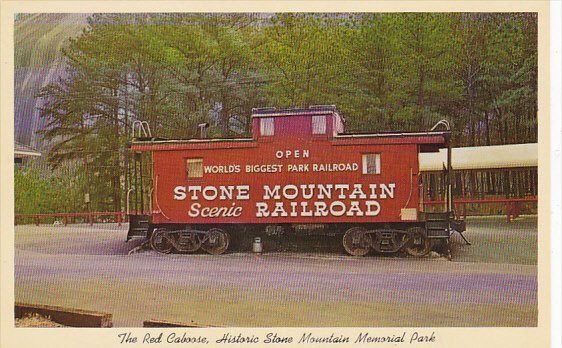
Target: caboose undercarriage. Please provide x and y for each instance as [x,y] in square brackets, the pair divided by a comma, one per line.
[214,241]
[415,239]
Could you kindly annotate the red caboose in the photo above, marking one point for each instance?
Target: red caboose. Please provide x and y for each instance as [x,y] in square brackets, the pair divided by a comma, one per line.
[299,169]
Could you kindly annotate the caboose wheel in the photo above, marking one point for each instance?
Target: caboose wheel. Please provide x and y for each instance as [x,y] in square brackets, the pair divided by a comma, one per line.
[418,245]
[159,241]
[217,241]
[188,242]
[356,242]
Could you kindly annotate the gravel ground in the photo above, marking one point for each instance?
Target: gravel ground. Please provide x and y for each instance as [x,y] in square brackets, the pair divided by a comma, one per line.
[491,283]
[36,320]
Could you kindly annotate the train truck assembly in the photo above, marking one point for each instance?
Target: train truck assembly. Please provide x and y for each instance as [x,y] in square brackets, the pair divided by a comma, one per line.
[300,170]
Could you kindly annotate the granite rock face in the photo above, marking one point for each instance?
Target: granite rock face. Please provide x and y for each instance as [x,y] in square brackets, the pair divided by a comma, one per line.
[38,43]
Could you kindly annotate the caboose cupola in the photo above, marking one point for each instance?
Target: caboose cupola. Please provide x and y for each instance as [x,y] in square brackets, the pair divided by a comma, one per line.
[321,121]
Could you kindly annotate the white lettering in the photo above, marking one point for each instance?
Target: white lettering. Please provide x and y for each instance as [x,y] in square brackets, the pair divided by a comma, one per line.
[325,191]
[269,193]
[210,193]
[387,190]
[179,193]
[310,194]
[370,211]
[357,190]
[305,212]
[354,209]
[293,208]
[292,195]
[243,192]
[279,210]
[194,210]
[226,192]
[337,212]
[373,188]
[194,189]
[298,153]
[342,187]
[321,209]
[305,200]
[262,209]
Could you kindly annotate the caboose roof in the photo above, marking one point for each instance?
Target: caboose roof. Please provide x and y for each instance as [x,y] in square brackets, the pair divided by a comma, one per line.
[430,138]
[296,123]
[313,110]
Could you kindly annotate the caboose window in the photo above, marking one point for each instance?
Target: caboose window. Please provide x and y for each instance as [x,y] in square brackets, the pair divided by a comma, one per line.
[371,163]
[318,124]
[194,167]
[267,126]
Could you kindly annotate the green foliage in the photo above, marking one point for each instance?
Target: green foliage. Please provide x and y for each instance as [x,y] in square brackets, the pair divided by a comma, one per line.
[38,191]
[384,71]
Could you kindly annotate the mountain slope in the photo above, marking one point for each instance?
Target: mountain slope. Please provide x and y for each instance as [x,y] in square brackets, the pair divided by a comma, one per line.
[38,43]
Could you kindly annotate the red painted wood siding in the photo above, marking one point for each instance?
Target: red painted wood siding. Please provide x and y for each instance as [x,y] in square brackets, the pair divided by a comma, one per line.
[399,158]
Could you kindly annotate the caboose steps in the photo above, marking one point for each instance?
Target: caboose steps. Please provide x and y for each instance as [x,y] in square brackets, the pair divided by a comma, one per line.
[139,226]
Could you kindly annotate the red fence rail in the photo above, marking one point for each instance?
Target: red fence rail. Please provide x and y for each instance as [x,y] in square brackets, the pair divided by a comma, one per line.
[512,205]
[119,216]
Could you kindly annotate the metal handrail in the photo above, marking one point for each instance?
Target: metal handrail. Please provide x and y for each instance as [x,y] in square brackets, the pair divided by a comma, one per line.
[156,199]
[441,122]
[140,125]
[128,194]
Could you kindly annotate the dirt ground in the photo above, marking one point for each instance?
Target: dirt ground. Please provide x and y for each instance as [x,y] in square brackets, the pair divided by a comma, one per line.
[491,283]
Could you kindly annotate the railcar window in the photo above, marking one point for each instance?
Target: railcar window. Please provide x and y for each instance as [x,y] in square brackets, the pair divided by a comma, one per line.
[371,163]
[267,126]
[318,124]
[194,167]
[339,127]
